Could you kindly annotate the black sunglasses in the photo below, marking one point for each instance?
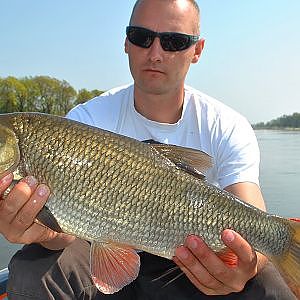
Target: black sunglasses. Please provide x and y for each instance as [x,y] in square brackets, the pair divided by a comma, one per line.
[170,41]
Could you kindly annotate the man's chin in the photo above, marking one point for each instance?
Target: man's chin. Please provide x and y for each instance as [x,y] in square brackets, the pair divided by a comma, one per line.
[158,88]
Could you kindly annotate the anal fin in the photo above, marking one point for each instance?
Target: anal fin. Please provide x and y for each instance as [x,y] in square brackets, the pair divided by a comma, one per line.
[113,266]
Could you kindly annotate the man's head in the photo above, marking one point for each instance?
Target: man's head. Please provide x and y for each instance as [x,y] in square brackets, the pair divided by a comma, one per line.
[192,2]
[157,68]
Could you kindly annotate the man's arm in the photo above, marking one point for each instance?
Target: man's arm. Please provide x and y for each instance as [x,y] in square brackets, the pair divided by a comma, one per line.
[206,270]
[18,211]
[249,192]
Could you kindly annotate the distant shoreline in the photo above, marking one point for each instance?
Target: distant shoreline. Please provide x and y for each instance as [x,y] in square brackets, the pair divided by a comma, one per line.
[277,128]
[287,123]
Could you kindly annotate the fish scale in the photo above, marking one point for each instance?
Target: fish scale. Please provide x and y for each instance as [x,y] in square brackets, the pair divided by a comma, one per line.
[122,194]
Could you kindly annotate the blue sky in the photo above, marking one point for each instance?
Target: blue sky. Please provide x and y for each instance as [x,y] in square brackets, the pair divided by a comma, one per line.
[251,59]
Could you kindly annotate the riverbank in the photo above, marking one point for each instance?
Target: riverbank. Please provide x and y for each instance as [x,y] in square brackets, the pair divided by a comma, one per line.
[277,128]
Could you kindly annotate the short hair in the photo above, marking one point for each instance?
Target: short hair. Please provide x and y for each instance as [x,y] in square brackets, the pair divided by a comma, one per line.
[193,2]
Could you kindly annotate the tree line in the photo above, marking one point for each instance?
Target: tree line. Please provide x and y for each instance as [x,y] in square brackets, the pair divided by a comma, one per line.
[285,121]
[53,96]
[40,94]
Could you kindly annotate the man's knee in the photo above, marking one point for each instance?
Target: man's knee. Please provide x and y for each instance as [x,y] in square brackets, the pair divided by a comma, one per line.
[35,272]
[268,284]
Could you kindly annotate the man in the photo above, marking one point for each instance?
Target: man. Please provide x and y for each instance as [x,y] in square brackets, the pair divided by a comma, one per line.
[160,107]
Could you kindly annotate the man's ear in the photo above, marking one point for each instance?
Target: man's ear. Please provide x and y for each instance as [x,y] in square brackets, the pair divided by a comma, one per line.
[126,45]
[198,50]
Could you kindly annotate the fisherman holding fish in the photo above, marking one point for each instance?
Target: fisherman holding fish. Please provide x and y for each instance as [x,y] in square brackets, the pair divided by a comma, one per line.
[163,40]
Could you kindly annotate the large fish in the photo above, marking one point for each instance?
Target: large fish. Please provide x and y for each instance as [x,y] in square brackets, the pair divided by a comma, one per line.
[122,195]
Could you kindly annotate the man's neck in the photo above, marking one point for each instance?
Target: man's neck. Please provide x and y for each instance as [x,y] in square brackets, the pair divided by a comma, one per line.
[166,108]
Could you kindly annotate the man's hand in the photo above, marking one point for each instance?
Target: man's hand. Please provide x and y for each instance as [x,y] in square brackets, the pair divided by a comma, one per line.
[209,273]
[19,209]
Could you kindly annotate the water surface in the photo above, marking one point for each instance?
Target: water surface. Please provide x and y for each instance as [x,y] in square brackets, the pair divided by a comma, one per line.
[280,171]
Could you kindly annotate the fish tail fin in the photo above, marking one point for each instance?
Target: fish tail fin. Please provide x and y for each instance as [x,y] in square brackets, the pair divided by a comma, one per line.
[289,263]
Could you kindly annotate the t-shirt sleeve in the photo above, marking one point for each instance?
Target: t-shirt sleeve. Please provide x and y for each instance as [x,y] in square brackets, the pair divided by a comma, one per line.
[79,113]
[103,111]
[238,155]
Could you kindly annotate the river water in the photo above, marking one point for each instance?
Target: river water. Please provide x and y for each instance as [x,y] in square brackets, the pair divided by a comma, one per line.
[280,178]
[280,171]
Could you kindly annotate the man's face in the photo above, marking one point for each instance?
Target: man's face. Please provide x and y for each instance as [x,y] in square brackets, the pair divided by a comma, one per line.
[154,70]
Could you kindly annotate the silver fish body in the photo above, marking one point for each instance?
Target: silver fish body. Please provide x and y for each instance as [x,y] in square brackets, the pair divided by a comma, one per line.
[112,189]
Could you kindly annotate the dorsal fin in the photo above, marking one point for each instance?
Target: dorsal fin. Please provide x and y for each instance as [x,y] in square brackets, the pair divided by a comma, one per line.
[192,161]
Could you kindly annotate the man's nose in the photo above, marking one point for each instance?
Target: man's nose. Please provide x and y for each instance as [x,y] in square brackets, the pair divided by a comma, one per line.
[156,51]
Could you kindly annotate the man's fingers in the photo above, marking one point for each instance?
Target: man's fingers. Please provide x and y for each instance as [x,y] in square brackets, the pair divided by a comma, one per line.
[198,274]
[38,233]
[5,183]
[214,276]
[14,201]
[19,209]
[17,197]
[215,266]
[245,253]
[25,217]
[191,264]
[204,289]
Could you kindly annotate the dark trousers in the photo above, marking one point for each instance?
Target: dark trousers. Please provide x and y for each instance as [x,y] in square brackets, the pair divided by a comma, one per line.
[37,273]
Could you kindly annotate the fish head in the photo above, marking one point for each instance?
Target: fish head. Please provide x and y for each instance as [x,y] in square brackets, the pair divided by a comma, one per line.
[9,150]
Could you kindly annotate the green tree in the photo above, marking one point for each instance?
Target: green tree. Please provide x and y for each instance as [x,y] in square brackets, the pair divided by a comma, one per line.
[12,95]
[65,99]
[85,95]
[285,121]
[82,96]
[48,91]
[33,93]
[96,93]
[41,94]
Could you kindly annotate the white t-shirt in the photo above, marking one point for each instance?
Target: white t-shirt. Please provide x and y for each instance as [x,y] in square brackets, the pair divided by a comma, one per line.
[206,124]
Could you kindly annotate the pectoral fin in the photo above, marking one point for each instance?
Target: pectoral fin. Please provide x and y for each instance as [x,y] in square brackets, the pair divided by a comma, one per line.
[46,218]
[113,266]
[228,257]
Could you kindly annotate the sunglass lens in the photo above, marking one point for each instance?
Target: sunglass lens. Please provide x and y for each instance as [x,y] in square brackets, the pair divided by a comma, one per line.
[174,42]
[140,37]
